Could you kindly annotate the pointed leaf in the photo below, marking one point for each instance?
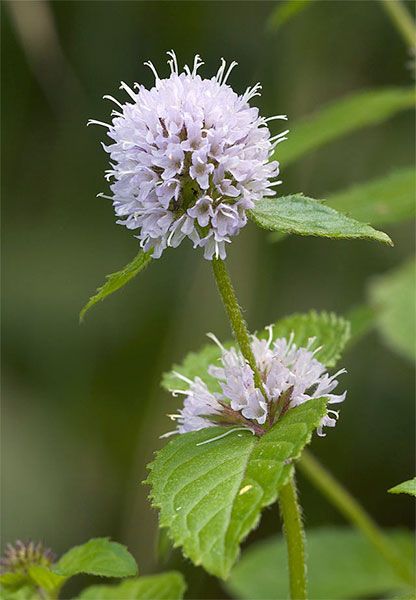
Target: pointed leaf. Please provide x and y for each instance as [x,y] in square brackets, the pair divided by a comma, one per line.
[393,296]
[407,487]
[305,216]
[100,557]
[341,564]
[166,586]
[342,117]
[115,281]
[210,496]
[382,201]
[331,331]
[285,11]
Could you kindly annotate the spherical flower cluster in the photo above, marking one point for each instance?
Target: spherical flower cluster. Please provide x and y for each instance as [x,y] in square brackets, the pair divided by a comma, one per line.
[18,558]
[290,376]
[189,157]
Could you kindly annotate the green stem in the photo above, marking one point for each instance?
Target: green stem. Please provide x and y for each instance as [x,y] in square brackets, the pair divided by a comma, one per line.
[402,19]
[238,325]
[295,539]
[354,512]
[289,506]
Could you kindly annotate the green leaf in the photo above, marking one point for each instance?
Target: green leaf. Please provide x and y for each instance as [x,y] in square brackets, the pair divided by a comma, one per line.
[386,200]
[362,319]
[22,593]
[166,586]
[305,216]
[407,487]
[210,495]
[393,296]
[100,557]
[285,11]
[115,281]
[331,332]
[45,578]
[342,117]
[14,580]
[341,564]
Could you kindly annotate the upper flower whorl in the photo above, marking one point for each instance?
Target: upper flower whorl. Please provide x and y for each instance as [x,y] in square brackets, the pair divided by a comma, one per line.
[189,157]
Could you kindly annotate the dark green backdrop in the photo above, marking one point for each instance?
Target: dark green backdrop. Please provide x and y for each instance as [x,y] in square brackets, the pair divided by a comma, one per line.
[82,404]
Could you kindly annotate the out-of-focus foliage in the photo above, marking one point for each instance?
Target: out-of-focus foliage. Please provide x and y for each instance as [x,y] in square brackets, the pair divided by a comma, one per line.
[389,199]
[393,297]
[341,564]
[82,406]
[210,492]
[407,487]
[285,11]
[343,117]
[166,586]
[98,556]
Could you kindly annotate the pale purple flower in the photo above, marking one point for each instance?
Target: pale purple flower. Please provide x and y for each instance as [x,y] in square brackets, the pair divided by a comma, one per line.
[188,158]
[290,375]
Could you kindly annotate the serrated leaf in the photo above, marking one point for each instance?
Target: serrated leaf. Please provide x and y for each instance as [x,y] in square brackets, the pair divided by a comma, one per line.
[210,496]
[166,586]
[342,117]
[331,331]
[393,296]
[341,564]
[305,216]
[116,281]
[100,557]
[285,11]
[382,201]
[407,487]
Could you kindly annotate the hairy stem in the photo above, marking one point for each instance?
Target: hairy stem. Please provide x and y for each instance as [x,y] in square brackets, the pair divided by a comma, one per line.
[354,512]
[319,476]
[289,506]
[238,324]
[295,539]
[402,19]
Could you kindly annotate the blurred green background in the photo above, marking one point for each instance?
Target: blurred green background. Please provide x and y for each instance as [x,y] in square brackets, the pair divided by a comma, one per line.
[82,405]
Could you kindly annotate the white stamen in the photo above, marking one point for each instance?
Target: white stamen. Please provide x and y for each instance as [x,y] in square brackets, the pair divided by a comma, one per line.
[223,435]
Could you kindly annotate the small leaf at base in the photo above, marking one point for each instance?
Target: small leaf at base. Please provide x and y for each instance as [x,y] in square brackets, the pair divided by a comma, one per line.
[117,280]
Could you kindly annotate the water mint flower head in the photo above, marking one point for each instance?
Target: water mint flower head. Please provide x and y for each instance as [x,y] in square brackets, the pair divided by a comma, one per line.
[20,556]
[188,158]
[290,375]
